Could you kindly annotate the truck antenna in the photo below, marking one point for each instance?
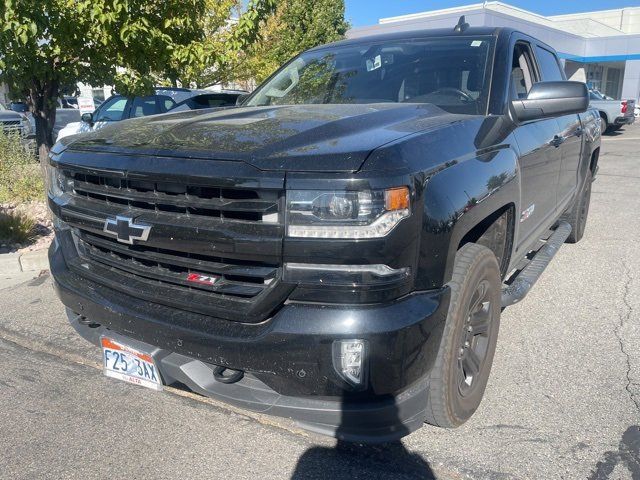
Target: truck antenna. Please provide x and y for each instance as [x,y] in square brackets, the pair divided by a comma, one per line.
[461,26]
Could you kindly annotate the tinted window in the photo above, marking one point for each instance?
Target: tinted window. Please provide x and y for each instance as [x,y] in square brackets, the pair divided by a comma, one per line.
[214,100]
[165,103]
[448,72]
[549,67]
[143,106]
[112,110]
[18,107]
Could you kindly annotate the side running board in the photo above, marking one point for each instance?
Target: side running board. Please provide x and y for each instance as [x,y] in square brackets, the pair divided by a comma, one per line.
[529,275]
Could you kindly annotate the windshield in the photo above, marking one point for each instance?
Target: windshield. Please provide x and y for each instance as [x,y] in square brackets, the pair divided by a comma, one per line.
[448,72]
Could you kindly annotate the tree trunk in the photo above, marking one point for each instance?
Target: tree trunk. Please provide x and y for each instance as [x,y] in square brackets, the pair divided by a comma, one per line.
[44,99]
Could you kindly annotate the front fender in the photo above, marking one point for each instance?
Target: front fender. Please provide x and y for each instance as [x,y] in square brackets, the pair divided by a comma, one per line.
[457,199]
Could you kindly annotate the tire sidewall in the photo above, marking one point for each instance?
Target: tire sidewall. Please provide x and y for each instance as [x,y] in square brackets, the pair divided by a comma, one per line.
[485,267]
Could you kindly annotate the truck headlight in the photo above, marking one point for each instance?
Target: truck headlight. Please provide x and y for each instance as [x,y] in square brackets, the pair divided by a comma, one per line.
[345,214]
[57,182]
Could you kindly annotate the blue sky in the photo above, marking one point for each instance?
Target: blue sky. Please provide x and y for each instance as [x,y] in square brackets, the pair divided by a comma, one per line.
[367,12]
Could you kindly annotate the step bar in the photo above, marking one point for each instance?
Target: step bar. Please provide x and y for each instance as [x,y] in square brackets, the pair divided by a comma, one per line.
[529,275]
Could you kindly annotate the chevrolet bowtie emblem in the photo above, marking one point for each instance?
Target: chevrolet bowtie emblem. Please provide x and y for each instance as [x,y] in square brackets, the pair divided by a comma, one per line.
[125,230]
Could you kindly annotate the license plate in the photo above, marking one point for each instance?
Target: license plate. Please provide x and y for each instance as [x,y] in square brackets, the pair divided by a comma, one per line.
[125,363]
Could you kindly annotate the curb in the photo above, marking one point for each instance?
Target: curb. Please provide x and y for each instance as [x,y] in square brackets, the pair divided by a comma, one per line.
[24,262]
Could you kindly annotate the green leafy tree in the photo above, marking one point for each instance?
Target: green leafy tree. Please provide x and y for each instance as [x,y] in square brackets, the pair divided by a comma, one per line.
[297,25]
[132,44]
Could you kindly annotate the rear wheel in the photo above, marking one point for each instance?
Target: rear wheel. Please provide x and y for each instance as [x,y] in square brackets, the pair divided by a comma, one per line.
[463,364]
[604,125]
[577,216]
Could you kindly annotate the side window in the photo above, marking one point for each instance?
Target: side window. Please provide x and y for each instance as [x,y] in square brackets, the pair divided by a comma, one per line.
[112,110]
[165,103]
[522,73]
[549,67]
[143,106]
[210,101]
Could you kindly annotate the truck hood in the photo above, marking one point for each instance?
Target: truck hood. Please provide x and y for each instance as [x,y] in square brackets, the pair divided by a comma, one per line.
[292,138]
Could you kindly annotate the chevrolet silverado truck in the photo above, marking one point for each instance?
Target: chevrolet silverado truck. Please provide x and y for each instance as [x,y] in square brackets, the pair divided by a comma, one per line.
[338,248]
[614,114]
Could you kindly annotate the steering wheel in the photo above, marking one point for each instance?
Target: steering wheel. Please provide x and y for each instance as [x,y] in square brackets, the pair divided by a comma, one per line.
[457,91]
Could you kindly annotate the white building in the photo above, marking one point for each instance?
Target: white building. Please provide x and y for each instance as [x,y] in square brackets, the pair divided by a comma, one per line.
[599,48]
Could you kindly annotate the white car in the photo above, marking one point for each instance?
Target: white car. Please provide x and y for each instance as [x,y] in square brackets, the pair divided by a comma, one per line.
[118,107]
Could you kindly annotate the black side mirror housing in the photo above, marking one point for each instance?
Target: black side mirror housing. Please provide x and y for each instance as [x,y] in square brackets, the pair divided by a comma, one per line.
[241,98]
[87,118]
[551,99]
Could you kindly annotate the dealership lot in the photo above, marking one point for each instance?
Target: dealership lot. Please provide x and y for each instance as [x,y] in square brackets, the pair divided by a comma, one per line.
[563,400]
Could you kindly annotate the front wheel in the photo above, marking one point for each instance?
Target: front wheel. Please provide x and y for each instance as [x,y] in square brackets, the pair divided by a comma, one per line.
[461,371]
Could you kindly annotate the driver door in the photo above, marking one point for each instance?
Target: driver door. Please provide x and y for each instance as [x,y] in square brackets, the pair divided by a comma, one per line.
[540,156]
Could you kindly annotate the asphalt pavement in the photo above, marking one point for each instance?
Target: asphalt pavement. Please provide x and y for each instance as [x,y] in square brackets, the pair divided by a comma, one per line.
[563,400]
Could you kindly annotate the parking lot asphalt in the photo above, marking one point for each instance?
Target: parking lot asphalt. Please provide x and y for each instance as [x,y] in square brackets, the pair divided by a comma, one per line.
[563,400]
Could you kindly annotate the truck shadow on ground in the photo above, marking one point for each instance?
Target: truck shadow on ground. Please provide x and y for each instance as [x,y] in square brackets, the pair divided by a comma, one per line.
[347,460]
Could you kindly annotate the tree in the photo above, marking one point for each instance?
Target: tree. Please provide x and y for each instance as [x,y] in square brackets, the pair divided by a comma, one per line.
[297,25]
[132,44]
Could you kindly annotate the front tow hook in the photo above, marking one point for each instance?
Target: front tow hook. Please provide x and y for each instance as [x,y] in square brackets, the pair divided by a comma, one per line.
[233,376]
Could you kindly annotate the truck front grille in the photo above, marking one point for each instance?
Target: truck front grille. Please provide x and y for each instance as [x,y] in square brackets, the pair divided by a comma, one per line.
[11,126]
[211,249]
[174,268]
[162,196]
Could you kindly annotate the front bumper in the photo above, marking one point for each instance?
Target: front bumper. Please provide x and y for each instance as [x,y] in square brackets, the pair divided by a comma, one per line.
[287,359]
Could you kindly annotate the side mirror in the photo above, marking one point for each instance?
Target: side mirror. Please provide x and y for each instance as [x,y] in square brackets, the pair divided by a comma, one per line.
[241,98]
[87,117]
[551,99]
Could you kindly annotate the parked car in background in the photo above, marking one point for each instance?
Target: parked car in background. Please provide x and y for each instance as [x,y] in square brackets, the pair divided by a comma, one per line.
[636,111]
[17,122]
[614,113]
[224,98]
[119,107]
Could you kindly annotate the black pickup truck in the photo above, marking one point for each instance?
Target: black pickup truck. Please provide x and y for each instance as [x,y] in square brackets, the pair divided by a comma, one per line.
[338,248]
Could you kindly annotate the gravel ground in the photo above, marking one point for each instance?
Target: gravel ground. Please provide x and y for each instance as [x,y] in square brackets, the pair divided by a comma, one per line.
[43,231]
[563,401]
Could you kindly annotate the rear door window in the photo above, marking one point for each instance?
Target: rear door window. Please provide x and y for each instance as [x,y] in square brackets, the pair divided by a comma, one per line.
[549,66]
[143,106]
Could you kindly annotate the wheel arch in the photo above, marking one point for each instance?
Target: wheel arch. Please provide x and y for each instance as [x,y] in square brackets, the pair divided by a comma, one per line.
[463,203]
[496,232]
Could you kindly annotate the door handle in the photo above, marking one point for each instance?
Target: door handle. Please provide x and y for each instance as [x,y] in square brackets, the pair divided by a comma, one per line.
[579,131]
[557,141]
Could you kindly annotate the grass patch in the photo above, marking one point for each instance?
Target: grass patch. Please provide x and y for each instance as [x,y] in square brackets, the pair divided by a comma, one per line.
[21,177]
[16,228]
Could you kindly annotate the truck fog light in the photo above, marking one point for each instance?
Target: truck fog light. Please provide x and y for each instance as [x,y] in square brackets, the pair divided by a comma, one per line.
[349,360]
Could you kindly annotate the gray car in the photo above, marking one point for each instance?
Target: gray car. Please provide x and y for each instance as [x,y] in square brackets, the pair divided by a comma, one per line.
[14,122]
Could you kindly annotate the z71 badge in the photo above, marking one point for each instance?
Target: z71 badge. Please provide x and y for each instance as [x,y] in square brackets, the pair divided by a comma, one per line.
[527,213]
[202,279]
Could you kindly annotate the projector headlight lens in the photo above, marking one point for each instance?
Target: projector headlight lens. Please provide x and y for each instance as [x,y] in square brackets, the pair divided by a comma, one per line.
[346,214]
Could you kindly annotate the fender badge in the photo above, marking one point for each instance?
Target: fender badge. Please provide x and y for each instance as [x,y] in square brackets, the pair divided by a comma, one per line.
[527,213]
